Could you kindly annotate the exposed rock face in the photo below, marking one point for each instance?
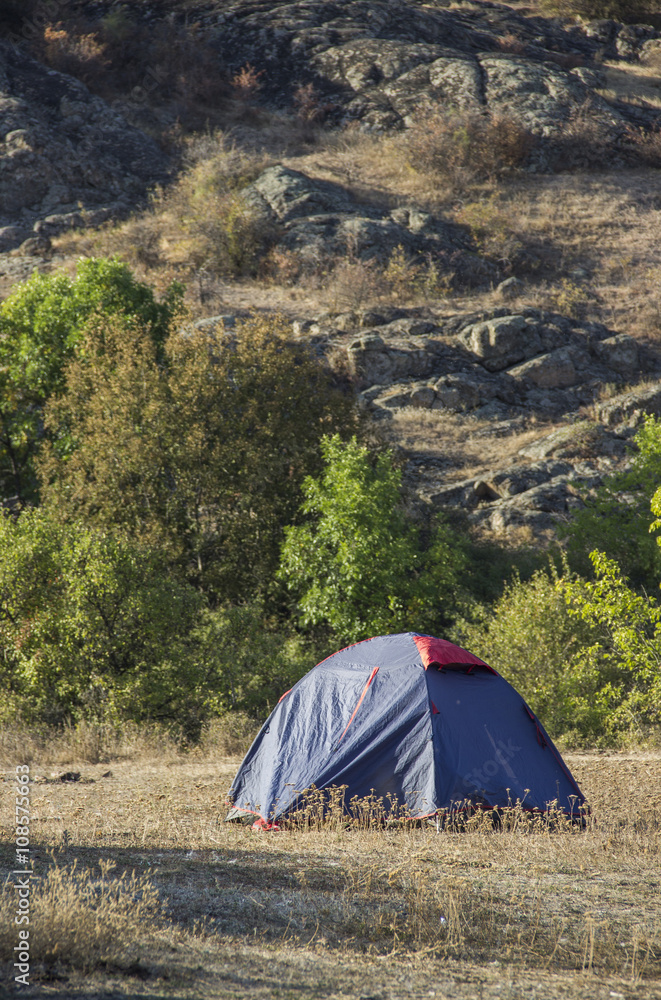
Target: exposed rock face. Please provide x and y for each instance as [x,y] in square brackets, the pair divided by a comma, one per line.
[500,371]
[471,366]
[62,148]
[382,62]
[320,221]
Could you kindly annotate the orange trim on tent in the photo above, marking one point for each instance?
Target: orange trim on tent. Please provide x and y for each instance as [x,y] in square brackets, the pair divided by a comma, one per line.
[360,701]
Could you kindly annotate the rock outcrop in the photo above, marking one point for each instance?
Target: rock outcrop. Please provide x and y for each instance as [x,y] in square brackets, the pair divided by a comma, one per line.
[504,373]
[320,222]
[381,63]
[498,365]
[67,159]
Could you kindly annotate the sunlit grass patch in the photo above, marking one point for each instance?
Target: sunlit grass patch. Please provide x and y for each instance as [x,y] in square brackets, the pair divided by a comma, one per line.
[84,919]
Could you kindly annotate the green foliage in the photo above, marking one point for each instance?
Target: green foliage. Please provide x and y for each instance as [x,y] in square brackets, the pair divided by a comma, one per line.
[93,627]
[616,519]
[202,455]
[247,658]
[357,564]
[87,624]
[584,654]
[41,324]
[624,662]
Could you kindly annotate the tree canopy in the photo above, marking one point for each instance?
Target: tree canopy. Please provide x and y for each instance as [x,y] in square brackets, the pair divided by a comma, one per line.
[201,453]
[357,564]
[41,325]
[616,518]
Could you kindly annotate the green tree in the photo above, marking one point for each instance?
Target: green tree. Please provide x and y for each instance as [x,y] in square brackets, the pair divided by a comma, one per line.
[201,454]
[41,325]
[88,624]
[248,658]
[616,518]
[357,564]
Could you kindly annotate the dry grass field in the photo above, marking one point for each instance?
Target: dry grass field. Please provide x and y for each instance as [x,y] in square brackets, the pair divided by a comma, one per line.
[142,890]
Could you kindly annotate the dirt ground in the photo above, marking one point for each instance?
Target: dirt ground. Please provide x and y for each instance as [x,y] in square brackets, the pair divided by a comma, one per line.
[340,912]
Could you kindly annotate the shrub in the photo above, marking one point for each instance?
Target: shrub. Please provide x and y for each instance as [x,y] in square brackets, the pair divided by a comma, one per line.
[583,654]
[646,144]
[87,624]
[231,238]
[119,55]
[207,222]
[407,277]
[463,146]
[584,142]
[616,517]
[623,664]
[201,455]
[232,645]
[78,55]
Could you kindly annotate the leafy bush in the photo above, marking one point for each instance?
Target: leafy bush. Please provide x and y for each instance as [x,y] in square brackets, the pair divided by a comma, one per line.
[625,661]
[87,624]
[94,629]
[41,324]
[616,518]
[251,656]
[358,565]
[202,455]
[583,654]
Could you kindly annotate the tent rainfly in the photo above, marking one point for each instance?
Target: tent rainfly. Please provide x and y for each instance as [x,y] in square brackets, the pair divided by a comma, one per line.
[409,716]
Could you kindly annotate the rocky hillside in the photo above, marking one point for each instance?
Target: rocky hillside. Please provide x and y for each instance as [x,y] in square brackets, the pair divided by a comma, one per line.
[385,63]
[565,390]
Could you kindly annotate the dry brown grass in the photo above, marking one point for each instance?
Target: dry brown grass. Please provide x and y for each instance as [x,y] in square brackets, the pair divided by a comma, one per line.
[85,918]
[634,83]
[91,743]
[546,228]
[467,445]
[317,912]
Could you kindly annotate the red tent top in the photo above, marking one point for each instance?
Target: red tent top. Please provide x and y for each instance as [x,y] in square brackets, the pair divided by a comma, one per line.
[446,653]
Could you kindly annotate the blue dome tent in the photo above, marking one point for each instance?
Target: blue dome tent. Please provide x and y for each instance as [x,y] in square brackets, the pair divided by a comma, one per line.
[407,716]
